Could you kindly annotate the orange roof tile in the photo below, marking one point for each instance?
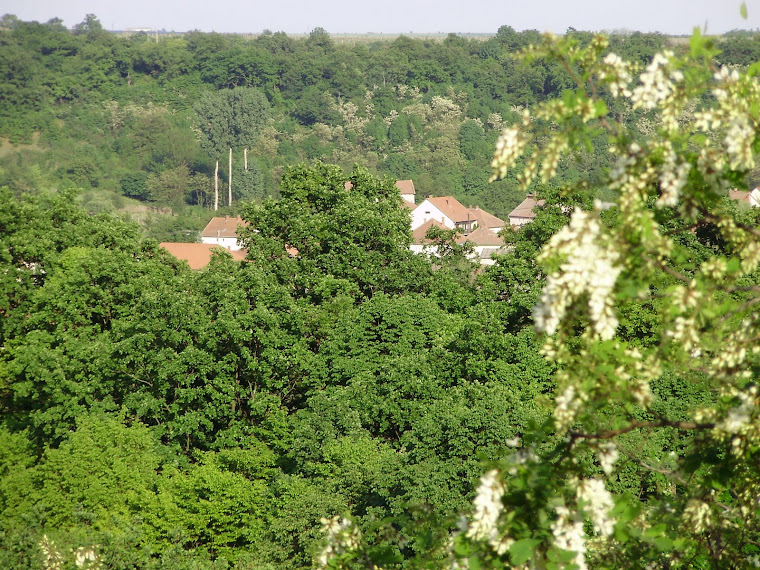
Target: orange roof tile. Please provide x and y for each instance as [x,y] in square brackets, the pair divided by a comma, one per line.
[198,255]
[525,209]
[485,219]
[484,236]
[738,195]
[452,208]
[418,235]
[225,227]
[406,186]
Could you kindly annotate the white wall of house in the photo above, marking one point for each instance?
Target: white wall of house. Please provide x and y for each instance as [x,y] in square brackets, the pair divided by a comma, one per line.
[226,242]
[517,221]
[427,211]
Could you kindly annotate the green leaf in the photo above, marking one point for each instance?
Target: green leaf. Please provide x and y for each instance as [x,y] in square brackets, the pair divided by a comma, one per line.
[522,550]
[475,563]
[743,10]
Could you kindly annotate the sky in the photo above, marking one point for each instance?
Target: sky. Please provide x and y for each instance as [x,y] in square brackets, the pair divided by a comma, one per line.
[673,17]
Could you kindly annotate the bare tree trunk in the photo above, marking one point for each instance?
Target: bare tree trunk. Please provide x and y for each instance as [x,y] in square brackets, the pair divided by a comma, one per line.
[216,187]
[230,183]
[245,159]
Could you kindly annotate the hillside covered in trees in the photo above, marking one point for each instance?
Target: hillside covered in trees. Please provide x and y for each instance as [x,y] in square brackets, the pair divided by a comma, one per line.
[335,400]
[123,116]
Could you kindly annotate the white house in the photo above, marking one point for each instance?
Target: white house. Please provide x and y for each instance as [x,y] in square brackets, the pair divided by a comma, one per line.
[223,232]
[444,209]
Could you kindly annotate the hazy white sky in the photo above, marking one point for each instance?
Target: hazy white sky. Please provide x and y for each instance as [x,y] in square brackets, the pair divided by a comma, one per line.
[396,16]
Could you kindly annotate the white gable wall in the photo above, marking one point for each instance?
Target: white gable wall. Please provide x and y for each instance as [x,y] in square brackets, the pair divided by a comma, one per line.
[226,242]
[427,211]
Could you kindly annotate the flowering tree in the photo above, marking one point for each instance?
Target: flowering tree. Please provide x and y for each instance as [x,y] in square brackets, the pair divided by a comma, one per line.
[683,132]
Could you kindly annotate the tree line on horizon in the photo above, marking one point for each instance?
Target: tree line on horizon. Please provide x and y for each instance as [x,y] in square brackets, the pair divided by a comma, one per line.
[121,116]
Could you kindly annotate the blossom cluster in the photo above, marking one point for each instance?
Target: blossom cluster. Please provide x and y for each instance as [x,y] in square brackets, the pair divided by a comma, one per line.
[341,537]
[673,177]
[566,407]
[597,503]
[589,270]
[488,508]
[569,535]
[509,148]
[617,72]
[657,83]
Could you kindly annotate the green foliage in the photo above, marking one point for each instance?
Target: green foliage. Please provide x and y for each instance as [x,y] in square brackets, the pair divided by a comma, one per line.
[230,118]
[212,419]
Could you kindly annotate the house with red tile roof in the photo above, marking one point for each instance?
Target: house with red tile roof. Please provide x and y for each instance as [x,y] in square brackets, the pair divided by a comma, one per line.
[198,255]
[486,243]
[406,187]
[752,197]
[420,244]
[486,220]
[222,231]
[524,213]
[444,209]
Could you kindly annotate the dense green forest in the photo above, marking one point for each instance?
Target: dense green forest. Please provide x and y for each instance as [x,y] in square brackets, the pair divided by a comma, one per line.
[158,417]
[123,117]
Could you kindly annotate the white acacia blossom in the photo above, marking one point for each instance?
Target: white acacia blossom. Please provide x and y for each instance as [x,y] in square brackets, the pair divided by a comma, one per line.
[488,508]
[588,270]
[618,72]
[342,536]
[673,177]
[568,535]
[739,416]
[597,502]
[657,83]
[567,406]
[607,455]
[509,147]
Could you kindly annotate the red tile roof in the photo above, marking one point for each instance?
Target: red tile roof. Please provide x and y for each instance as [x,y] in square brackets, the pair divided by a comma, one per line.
[484,236]
[452,208]
[418,235]
[525,209]
[738,195]
[198,255]
[485,219]
[225,227]
[406,186]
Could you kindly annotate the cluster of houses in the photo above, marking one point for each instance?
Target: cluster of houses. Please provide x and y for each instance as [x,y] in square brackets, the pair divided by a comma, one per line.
[476,226]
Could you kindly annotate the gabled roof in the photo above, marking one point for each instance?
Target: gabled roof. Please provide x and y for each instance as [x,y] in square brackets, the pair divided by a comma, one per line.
[738,195]
[452,208]
[408,205]
[406,187]
[225,227]
[525,209]
[484,236]
[198,255]
[418,235]
[484,219]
